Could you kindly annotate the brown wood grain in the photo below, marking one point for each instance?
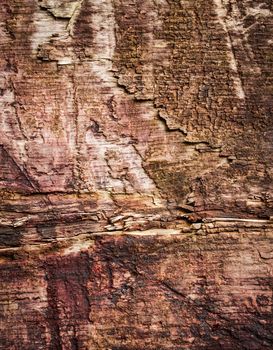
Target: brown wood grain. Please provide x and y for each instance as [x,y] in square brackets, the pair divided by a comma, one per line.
[136,171]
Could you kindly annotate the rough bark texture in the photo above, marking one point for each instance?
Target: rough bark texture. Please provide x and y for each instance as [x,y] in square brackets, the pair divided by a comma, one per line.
[136,174]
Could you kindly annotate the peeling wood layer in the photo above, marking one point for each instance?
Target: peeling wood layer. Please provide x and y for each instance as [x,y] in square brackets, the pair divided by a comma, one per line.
[136,198]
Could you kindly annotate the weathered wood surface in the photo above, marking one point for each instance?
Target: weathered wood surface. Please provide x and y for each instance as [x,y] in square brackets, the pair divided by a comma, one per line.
[136,171]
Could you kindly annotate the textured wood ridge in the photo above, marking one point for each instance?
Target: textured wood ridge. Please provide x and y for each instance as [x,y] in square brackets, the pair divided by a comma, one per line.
[136,172]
